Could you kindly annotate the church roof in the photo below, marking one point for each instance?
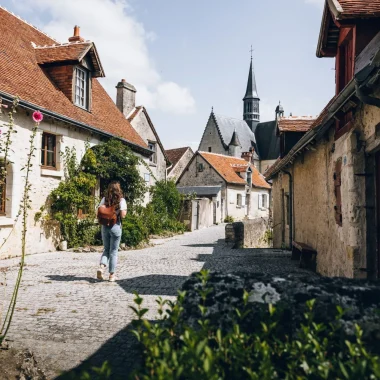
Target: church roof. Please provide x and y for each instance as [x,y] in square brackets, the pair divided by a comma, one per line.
[268,143]
[227,126]
[251,91]
[228,168]
[235,140]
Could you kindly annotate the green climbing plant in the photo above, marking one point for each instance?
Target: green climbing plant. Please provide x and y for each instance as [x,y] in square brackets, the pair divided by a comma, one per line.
[24,210]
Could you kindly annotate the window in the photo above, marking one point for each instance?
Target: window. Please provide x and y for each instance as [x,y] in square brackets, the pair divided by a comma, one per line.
[153,157]
[200,167]
[3,186]
[238,200]
[209,149]
[338,192]
[81,87]
[263,201]
[48,150]
[287,205]
[147,177]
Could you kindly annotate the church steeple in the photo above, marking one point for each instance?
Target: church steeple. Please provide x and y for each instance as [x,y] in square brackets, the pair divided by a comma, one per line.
[251,100]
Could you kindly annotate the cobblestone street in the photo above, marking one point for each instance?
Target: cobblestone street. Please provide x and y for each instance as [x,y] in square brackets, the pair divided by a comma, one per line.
[65,316]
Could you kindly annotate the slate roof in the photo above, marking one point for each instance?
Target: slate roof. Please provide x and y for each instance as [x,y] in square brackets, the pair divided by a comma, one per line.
[174,155]
[251,92]
[20,74]
[228,168]
[295,124]
[267,140]
[227,126]
[200,190]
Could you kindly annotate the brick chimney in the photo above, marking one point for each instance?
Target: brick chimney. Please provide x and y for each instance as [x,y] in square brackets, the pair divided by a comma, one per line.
[125,97]
[76,37]
[247,156]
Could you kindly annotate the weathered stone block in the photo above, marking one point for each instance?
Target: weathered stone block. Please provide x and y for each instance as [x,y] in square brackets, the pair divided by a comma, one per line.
[251,233]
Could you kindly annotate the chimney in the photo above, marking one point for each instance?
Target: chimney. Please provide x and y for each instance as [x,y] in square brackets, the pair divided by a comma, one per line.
[76,37]
[247,156]
[125,97]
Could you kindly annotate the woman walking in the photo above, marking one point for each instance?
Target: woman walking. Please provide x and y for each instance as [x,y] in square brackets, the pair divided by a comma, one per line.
[111,210]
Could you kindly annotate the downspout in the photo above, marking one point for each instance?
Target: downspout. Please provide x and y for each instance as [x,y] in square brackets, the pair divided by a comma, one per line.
[290,208]
[166,172]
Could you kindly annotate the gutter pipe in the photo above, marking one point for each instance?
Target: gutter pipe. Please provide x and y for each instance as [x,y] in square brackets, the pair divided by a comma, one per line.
[291,226]
[23,103]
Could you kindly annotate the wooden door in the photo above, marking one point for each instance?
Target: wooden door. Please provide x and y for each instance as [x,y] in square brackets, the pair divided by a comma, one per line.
[378,211]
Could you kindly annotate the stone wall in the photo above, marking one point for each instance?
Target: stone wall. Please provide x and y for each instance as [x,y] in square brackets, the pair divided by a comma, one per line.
[141,125]
[211,138]
[250,233]
[342,250]
[181,165]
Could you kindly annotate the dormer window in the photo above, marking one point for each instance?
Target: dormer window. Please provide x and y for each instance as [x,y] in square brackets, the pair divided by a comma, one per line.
[81,87]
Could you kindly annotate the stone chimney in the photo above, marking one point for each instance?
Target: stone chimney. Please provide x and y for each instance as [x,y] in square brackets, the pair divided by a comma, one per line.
[76,37]
[247,156]
[125,97]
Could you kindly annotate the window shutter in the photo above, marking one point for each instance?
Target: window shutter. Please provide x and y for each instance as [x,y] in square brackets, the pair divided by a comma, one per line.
[260,201]
[243,200]
[338,192]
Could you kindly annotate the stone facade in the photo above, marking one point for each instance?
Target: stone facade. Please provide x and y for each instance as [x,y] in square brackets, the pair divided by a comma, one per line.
[157,164]
[342,250]
[181,165]
[211,139]
[228,206]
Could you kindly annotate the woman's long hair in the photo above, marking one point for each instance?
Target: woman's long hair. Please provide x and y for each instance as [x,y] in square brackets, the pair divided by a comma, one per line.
[113,194]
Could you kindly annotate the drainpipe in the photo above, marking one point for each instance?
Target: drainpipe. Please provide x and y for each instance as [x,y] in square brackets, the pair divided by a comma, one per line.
[166,172]
[291,208]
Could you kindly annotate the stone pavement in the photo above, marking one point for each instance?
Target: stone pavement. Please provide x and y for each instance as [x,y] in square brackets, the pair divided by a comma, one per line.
[65,316]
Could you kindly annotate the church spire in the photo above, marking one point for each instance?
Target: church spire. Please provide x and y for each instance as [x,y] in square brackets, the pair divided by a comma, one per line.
[251,100]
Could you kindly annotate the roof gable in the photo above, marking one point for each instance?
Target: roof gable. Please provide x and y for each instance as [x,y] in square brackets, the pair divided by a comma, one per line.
[338,12]
[267,140]
[20,74]
[175,155]
[228,168]
[70,53]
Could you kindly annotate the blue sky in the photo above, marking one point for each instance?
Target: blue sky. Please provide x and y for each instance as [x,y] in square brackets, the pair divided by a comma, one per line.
[186,56]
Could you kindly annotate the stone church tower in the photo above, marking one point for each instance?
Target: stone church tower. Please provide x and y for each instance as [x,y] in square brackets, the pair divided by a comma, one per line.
[251,101]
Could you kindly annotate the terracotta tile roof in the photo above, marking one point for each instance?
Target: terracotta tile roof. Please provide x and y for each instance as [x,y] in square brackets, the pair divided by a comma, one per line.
[323,114]
[61,53]
[359,8]
[134,113]
[229,167]
[295,124]
[174,155]
[21,75]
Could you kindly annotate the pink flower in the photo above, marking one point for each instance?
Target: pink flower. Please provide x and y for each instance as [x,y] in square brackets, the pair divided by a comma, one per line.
[37,116]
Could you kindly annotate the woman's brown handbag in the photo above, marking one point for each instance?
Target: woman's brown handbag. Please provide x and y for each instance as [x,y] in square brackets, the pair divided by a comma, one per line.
[107,215]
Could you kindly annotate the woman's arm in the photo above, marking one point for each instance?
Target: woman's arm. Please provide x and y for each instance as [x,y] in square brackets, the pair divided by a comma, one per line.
[123,214]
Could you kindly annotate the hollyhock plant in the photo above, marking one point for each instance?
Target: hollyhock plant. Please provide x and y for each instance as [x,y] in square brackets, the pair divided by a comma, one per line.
[37,116]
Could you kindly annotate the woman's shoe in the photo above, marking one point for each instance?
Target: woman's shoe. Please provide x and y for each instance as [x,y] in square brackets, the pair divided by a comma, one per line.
[112,278]
[99,274]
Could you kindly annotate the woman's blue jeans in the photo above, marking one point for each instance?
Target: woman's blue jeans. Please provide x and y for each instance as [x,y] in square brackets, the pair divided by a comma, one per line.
[111,237]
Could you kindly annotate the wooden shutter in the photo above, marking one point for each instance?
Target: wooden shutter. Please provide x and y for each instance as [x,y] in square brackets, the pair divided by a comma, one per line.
[338,192]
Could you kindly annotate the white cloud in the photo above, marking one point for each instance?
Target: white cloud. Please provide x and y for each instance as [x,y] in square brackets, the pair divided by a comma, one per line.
[122,45]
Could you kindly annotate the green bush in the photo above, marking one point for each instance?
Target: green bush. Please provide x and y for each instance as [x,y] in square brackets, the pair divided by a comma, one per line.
[135,230]
[173,350]
[229,219]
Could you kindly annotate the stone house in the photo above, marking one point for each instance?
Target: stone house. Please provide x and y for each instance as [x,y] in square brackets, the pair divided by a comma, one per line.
[178,158]
[139,118]
[60,80]
[326,186]
[234,185]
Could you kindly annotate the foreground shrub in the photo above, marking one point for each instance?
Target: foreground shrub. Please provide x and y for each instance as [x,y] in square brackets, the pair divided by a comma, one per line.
[173,350]
[135,230]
